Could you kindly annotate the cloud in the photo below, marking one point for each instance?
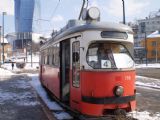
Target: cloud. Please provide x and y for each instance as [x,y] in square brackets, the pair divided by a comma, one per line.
[94,3]
[57,18]
[132,7]
[57,22]
[7,6]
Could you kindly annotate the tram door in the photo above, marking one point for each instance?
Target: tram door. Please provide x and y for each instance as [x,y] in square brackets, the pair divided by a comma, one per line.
[65,70]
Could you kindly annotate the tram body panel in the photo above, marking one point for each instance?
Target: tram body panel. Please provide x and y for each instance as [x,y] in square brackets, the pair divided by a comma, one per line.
[97,85]
[101,84]
[50,78]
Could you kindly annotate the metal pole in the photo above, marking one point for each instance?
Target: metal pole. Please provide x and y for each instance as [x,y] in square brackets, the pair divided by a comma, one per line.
[81,10]
[26,53]
[0,46]
[156,52]
[124,17]
[31,50]
[146,49]
[3,35]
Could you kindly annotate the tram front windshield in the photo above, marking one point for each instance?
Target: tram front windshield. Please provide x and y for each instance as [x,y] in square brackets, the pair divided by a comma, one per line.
[108,56]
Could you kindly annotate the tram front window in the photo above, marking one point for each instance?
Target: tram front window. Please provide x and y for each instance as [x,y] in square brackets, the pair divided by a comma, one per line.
[108,56]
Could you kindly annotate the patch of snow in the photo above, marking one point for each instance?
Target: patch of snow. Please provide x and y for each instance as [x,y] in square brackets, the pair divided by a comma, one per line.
[27,66]
[21,84]
[62,116]
[41,91]
[154,65]
[145,115]
[4,73]
[148,82]
[20,99]
[34,66]
[28,103]
[35,58]
[52,105]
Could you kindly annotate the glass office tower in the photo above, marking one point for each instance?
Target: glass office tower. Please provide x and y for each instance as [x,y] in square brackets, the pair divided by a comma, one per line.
[24,10]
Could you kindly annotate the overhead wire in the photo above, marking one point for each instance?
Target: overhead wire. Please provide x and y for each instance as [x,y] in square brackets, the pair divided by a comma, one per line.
[55,9]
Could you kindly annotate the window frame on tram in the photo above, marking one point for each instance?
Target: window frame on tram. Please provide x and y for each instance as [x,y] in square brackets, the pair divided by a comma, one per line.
[115,63]
[76,79]
[47,56]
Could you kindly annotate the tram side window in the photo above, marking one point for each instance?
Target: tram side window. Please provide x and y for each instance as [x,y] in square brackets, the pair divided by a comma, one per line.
[50,56]
[55,55]
[52,59]
[46,59]
[76,64]
[43,60]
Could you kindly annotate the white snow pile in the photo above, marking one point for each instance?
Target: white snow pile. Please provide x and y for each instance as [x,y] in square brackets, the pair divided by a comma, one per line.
[154,65]
[35,63]
[147,82]
[27,66]
[145,115]
[52,105]
[5,73]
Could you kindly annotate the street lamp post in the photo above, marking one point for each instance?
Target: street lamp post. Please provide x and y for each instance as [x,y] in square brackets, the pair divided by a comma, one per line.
[146,48]
[124,18]
[0,46]
[3,14]
[31,52]
[156,51]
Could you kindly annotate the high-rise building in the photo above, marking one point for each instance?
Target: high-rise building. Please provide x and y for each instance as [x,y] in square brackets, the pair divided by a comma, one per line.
[24,10]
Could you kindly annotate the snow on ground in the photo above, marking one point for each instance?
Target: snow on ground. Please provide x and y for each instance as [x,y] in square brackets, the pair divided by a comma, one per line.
[147,82]
[5,73]
[50,103]
[35,63]
[21,99]
[24,98]
[8,66]
[35,58]
[154,65]
[145,115]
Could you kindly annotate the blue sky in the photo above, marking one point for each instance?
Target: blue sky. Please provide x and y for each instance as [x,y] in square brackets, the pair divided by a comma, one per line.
[111,10]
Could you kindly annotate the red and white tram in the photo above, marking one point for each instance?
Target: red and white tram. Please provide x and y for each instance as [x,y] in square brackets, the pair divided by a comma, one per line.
[89,66]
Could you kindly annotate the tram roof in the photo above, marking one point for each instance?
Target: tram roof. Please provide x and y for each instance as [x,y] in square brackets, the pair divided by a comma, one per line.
[75,26]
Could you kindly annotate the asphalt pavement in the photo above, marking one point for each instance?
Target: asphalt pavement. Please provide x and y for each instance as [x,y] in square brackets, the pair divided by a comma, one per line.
[18,100]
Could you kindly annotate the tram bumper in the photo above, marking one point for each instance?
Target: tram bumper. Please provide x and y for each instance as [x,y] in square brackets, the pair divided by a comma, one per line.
[108,100]
[108,105]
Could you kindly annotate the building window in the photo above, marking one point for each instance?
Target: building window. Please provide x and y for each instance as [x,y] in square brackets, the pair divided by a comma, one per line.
[154,43]
[153,53]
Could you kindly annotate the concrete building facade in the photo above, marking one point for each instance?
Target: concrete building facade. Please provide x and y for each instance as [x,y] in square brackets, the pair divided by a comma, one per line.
[147,26]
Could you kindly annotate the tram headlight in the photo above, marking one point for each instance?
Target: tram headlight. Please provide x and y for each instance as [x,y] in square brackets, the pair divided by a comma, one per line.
[118,91]
[94,13]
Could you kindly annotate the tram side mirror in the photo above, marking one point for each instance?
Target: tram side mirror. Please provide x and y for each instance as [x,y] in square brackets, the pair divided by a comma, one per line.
[75,56]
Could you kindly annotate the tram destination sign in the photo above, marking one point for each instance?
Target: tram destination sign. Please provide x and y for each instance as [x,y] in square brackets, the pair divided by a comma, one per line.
[114,34]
